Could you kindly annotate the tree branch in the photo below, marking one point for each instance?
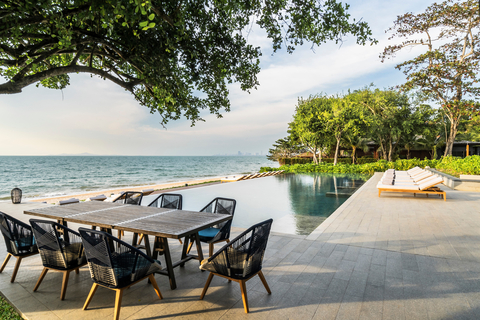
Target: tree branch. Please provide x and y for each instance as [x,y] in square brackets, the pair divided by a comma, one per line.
[17,86]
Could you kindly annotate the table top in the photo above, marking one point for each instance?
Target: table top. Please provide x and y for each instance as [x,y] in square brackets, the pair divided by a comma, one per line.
[163,222]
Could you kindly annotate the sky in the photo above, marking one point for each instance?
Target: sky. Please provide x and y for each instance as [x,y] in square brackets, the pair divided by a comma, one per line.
[97,117]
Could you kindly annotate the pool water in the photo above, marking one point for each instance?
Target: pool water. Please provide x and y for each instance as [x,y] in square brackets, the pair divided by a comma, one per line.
[298,203]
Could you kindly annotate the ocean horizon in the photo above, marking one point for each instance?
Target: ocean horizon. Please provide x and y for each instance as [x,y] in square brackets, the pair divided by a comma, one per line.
[54,175]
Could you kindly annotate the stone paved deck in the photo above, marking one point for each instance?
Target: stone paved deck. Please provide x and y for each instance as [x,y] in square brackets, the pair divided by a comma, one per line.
[393,257]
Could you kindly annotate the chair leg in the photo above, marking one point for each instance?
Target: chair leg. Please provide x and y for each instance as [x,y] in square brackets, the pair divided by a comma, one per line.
[64,284]
[15,270]
[90,296]
[190,245]
[210,277]
[9,255]
[260,274]
[243,288]
[140,239]
[210,249]
[118,303]
[155,285]
[40,279]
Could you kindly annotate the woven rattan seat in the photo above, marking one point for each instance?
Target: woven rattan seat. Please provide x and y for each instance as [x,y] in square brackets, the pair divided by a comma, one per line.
[61,249]
[19,240]
[116,265]
[221,232]
[241,259]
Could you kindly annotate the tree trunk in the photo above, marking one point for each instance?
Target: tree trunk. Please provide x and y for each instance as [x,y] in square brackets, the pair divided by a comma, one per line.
[451,139]
[354,150]
[337,147]
[408,153]
[390,147]
[313,150]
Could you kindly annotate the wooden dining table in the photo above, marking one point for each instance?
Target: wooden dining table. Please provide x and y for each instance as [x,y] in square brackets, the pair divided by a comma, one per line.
[161,223]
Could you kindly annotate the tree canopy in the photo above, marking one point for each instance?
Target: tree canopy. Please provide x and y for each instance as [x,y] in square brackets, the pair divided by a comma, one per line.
[448,68]
[176,57]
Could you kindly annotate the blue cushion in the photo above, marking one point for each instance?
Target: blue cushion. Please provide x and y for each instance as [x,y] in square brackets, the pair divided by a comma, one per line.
[25,242]
[208,234]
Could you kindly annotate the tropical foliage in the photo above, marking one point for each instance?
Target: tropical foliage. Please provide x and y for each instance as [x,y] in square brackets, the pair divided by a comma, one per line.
[451,165]
[324,124]
[447,71]
[175,57]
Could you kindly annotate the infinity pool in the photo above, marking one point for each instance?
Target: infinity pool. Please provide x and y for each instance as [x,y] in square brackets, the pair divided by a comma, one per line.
[298,203]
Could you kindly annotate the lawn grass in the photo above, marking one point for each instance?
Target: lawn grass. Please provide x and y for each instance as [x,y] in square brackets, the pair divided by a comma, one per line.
[7,312]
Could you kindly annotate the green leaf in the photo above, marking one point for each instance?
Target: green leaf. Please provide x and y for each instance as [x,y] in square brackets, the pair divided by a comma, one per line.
[150,17]
[143,23]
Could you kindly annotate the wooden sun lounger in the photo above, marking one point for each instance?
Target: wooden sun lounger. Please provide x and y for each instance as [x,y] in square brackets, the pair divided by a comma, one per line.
[425,188]
[146,192]
[232,179]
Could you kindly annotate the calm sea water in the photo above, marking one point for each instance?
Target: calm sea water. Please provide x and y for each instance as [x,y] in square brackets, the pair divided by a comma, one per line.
[40,176]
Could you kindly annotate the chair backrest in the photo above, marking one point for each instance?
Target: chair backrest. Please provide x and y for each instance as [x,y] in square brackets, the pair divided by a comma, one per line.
[221,205]
[113,262]
[18,235]
[167,200]
[130,197]
[243,256]
[60,247]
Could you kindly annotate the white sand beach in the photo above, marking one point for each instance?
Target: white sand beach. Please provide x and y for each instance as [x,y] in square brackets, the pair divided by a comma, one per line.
[109,192]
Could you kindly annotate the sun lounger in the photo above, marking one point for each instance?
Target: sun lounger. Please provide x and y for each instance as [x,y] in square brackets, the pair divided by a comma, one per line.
[146,192]
[98,198]
[69,201]
[232,179]
[427,188]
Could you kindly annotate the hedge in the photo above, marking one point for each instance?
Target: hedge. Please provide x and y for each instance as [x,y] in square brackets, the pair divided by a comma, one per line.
[450,165]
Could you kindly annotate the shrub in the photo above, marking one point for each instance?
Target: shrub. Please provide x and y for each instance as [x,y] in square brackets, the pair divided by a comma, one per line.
[457,166]
[365,168]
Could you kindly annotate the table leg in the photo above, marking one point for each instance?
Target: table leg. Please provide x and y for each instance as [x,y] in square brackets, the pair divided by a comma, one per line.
[135,239]
[148,251]
[185,249]
[168,260]
[199,248]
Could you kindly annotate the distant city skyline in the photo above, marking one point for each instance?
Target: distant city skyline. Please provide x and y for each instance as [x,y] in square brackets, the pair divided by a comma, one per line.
[95,116]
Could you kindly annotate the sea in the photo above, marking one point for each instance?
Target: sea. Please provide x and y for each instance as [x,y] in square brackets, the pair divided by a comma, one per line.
[49,176]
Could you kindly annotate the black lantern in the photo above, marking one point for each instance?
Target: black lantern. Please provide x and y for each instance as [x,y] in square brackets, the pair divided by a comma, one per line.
[16,195]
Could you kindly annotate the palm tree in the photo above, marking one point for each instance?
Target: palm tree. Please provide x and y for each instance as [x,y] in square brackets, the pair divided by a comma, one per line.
[355,142]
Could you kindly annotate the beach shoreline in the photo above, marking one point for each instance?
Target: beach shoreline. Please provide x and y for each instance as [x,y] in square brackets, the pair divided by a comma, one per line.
[115,191]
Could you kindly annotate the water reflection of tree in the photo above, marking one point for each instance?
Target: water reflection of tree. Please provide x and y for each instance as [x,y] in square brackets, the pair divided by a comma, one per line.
[308,200]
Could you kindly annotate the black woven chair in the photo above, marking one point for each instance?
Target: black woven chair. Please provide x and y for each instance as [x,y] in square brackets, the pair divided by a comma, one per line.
[241,259]
[129,197]
[116,265]
[19,240]
[220,232]
[167,200]
[61,250]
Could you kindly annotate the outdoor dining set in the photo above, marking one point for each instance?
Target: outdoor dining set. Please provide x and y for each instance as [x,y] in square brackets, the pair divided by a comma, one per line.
[116,264]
